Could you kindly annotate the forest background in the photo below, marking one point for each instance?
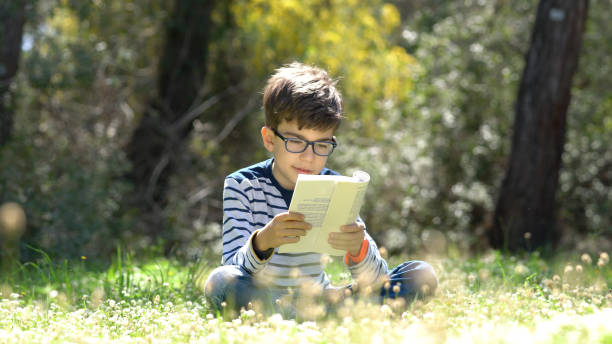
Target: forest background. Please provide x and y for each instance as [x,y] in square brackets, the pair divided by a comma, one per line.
[122,136]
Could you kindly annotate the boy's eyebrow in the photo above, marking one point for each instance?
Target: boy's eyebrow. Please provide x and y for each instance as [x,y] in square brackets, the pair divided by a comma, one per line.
[303,138]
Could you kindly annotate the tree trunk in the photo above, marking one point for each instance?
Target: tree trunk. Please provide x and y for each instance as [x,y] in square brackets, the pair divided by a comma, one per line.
[12,20]
[525,214]
[162,131]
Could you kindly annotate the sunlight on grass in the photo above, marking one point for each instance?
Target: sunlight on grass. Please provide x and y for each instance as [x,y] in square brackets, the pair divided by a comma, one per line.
[489,299]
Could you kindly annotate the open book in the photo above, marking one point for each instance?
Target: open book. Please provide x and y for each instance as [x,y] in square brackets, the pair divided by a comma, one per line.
[327,203]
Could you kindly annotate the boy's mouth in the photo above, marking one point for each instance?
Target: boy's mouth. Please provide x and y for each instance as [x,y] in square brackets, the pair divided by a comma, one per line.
[303,171]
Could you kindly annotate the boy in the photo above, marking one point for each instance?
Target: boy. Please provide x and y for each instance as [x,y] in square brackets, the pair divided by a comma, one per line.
[303,109]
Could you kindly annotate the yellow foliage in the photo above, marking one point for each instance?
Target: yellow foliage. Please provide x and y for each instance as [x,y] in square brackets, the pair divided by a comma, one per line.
[390,18]
[348,38]
[64,21]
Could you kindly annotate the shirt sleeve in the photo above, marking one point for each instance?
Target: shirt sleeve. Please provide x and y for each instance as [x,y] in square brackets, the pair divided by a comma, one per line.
[239,228]
[372,268]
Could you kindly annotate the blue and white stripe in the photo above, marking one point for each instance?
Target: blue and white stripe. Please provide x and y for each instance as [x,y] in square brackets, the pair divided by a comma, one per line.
[251,198]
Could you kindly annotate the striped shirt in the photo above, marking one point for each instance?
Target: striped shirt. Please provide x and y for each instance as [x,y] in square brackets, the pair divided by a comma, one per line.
[251,198]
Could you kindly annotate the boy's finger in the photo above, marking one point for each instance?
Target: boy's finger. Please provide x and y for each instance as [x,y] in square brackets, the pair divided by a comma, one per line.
[296,216]
[345,239]
[287,216]
[289,239]
[294,232]
[351,228]
[297,224]
[340,245]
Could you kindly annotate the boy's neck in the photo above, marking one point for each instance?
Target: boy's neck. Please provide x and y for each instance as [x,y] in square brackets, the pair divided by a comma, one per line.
[286,193]
[289,188]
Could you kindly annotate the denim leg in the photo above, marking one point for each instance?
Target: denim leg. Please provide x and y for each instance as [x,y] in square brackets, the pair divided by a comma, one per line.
[410,280]
[234,286]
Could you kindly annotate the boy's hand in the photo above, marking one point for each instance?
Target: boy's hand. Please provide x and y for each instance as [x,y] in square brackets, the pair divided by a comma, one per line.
[349,238]
[283,229]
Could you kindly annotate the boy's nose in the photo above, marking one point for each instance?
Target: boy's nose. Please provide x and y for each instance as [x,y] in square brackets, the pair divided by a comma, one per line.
[308,154]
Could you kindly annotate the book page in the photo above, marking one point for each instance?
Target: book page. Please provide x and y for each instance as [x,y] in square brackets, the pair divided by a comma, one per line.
[327,203]
[343,210]
[312,200]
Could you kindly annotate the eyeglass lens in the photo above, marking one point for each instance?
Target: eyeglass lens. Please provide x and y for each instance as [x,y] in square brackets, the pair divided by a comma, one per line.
[298,146]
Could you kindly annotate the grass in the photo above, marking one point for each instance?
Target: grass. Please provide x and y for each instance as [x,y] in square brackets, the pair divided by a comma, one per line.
[491,298]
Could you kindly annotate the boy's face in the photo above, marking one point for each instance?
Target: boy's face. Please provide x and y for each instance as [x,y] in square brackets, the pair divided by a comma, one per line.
[288,165]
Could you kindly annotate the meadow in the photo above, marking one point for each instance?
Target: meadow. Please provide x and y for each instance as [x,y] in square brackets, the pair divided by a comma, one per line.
[489,298]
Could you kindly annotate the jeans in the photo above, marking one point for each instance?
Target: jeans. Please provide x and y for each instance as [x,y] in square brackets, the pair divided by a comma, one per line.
[229,287]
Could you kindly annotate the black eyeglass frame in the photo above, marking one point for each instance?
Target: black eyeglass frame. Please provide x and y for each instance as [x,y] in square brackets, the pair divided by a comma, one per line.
[333,143]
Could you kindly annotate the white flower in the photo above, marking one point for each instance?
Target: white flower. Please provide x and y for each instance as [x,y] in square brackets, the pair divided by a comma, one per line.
[586,259]
[520,269]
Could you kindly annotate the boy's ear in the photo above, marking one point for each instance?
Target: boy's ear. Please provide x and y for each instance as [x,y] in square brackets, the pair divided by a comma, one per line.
[267,136]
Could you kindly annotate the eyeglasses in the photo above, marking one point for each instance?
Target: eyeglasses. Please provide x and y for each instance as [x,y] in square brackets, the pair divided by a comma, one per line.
[295,145]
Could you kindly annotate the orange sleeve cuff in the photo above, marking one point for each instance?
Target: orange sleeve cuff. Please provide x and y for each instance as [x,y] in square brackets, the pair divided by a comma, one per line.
[363,251]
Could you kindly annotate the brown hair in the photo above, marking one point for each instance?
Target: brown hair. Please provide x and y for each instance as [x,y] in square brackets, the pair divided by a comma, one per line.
[302,92]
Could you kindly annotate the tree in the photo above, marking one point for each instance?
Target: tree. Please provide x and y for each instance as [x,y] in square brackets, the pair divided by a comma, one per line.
[12,20]
[166,123]
[525,214]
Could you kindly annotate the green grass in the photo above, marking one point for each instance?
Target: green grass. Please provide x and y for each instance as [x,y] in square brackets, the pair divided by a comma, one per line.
[492,298]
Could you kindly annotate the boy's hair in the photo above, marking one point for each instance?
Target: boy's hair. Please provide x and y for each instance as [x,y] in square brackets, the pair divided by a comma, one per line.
[302,92]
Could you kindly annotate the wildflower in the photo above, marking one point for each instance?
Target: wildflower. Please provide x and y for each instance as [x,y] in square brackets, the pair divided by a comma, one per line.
[386,310]
[556,279]
[604,257]
[568,269]
[83,257]
[294,273]
[156,299]
[579,268]
[383,252]
[520,269]
[600,263]
[274,318]
[586,259]
[53,294]
[527,235]
[249,314]
[484,274]
[471,278]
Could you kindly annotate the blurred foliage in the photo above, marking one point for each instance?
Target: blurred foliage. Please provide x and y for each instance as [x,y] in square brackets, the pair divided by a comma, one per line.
[429,88]
[86,67]
[353,40]
[586,177]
